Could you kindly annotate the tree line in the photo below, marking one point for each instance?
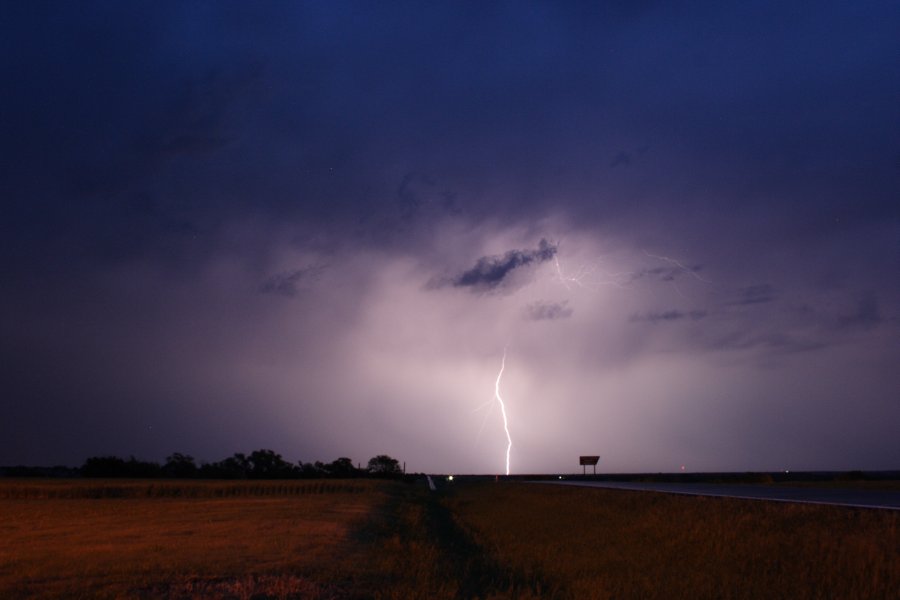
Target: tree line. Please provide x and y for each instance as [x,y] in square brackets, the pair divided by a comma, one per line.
[259,464]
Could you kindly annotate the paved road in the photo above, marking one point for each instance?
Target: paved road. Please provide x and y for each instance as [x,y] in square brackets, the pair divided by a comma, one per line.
[889,500]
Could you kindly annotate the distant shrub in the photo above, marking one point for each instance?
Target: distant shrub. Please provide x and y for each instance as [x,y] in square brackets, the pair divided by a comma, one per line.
[765,478]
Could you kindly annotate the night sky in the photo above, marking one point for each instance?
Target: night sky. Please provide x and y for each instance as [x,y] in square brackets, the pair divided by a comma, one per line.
[317,227]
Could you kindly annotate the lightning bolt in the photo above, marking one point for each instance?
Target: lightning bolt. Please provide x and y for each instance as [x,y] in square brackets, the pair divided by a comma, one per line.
[585,277]
[503,409]
[565,279]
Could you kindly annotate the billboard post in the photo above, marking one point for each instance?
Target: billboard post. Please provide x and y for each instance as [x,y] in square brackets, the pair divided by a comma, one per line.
[588,460]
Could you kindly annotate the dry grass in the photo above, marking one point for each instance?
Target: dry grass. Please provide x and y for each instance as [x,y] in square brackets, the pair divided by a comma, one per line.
[590,543]
[196,539]
[884,484]
[150,488]
[392,541]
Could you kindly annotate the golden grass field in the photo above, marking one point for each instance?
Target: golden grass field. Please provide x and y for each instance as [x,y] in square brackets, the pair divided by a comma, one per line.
[370,539]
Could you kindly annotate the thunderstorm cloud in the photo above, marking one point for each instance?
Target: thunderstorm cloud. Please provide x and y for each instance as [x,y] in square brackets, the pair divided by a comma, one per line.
[315,226]
[289,283]
[755,294]
[490,272]
[549,311]
[866,315]
[668,316]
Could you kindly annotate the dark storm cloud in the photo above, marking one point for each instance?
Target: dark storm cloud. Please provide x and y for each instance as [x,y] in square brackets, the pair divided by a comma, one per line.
[668,316]
[168,168]
[114,136]
[866,316]
[195,118]
[626,157]
[622,158]
[768,344]
[666,273]
[548,311]
[302,125]
[290,282]
[419,192]
[755,294]
[491,271]
[660,273]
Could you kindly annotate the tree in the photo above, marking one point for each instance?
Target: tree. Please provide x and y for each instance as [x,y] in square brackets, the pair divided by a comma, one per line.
[113,466]
[268,464]
[384,466]
[342,467]
[180,465]
[103,466]
[310,470]
[233,467]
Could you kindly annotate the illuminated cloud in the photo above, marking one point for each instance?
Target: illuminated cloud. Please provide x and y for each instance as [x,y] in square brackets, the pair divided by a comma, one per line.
[727,300]
[549,311]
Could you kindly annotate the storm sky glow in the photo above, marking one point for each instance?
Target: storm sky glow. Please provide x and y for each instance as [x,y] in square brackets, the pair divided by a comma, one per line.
[310,226]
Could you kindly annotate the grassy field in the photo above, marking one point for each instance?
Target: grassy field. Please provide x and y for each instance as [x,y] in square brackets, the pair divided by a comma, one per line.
[197,539]
[369,539]
[616,544]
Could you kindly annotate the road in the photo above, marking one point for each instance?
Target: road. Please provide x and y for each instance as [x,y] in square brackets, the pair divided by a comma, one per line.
[883,499]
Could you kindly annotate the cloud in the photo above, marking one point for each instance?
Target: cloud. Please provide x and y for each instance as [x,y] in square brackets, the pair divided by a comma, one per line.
[625,158]
[622,158]
[491,271]
[772,343]
[419,192]
[187,186]
[548,311]
[196,120]
[660,273]
[754,294]
[668,273]
[866,316]
[668,316]
[286,284]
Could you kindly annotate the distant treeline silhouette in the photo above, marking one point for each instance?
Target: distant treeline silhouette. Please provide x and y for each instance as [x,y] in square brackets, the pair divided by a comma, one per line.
[259,464]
